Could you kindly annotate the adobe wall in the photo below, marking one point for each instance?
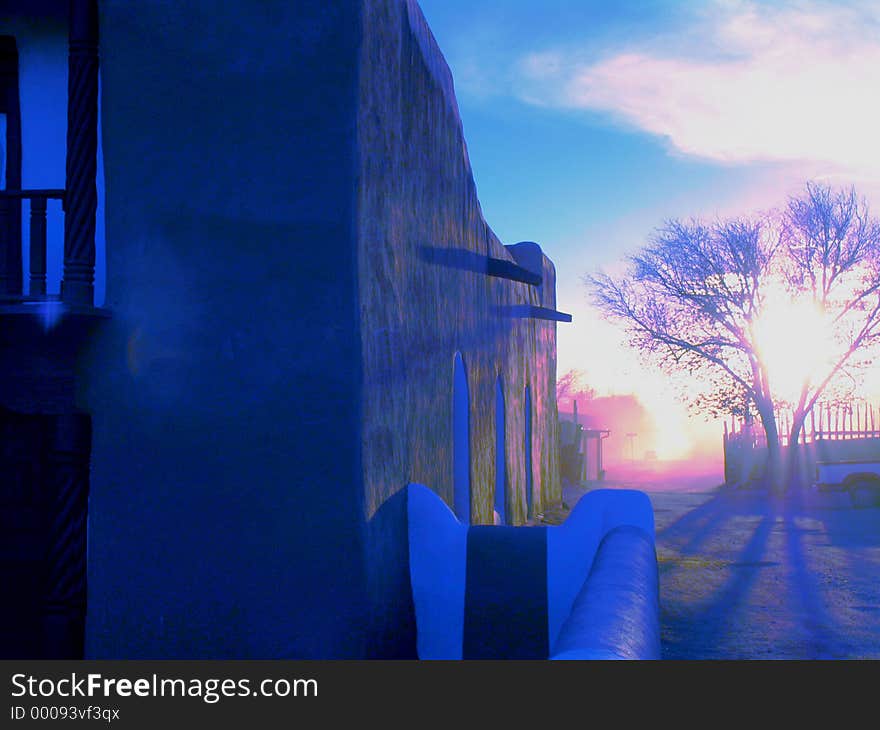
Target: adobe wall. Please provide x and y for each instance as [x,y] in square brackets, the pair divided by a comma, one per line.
[424,292]
[225,512]
[295,254]
[425,295]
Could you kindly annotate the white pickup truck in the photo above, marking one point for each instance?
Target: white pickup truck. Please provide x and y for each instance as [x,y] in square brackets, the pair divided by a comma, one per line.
[860,478]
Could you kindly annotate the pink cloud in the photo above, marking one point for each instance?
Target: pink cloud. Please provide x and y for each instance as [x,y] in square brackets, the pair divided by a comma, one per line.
[745,83]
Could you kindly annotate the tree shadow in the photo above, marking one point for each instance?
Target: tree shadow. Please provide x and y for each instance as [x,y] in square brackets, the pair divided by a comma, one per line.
[689,530]
[706,627]
[817,632]
[794,614]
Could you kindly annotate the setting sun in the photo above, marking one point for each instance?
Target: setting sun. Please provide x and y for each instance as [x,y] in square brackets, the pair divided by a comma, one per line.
[795,341]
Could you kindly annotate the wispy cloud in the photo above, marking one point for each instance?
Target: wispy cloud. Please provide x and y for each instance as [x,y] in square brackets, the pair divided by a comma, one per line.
[742,82]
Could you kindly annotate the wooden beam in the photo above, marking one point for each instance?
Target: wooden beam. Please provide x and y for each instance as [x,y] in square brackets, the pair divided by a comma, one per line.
[514,272]
[551,315]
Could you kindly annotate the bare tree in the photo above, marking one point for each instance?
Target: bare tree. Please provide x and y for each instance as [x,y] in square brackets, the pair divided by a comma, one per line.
[832,247]
[570,386]
[693,299]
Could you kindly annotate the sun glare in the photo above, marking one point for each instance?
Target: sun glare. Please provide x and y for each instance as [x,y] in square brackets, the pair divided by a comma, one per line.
[795,341]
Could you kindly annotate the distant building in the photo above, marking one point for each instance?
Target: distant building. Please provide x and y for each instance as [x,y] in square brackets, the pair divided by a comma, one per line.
[300,310]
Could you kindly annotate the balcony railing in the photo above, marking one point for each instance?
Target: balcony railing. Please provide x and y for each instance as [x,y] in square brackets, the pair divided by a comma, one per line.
[79,197]
[11,288]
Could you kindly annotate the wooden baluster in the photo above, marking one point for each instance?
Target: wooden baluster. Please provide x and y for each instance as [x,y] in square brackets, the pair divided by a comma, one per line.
[38,246]
[4,245]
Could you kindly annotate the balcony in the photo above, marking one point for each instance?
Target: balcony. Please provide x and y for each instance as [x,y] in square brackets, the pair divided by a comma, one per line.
[41,333]
[78,198]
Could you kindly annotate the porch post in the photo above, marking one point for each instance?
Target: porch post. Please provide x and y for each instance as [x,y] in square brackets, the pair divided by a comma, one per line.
[10,208]
[67,488]
[81,197]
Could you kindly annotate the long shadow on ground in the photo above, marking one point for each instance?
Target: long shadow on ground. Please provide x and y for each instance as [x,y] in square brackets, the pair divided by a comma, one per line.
[744,575]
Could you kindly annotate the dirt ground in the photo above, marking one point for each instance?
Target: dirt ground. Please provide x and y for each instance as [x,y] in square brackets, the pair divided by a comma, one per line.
[747,576]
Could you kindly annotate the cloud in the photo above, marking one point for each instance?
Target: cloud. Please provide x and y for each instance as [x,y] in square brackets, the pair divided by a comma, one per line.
[741,82]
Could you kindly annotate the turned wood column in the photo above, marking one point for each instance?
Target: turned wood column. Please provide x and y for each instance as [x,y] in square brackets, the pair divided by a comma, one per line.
[67,499]
[81,199]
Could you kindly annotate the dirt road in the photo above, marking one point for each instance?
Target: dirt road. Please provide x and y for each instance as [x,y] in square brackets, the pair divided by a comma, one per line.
[746,576]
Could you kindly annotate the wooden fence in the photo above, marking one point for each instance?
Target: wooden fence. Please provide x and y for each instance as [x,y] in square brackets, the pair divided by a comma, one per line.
[830,433]
[824,422]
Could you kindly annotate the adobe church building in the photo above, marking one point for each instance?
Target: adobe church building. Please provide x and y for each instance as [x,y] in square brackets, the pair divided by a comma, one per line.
[269,304]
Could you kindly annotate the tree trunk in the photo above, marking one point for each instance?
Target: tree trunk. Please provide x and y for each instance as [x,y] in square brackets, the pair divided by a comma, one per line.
[773,477]
[795,467]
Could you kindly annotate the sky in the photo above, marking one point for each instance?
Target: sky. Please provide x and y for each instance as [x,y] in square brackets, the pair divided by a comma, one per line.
[588,123]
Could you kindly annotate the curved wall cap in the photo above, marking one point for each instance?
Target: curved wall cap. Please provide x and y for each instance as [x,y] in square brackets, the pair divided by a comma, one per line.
[438,560]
